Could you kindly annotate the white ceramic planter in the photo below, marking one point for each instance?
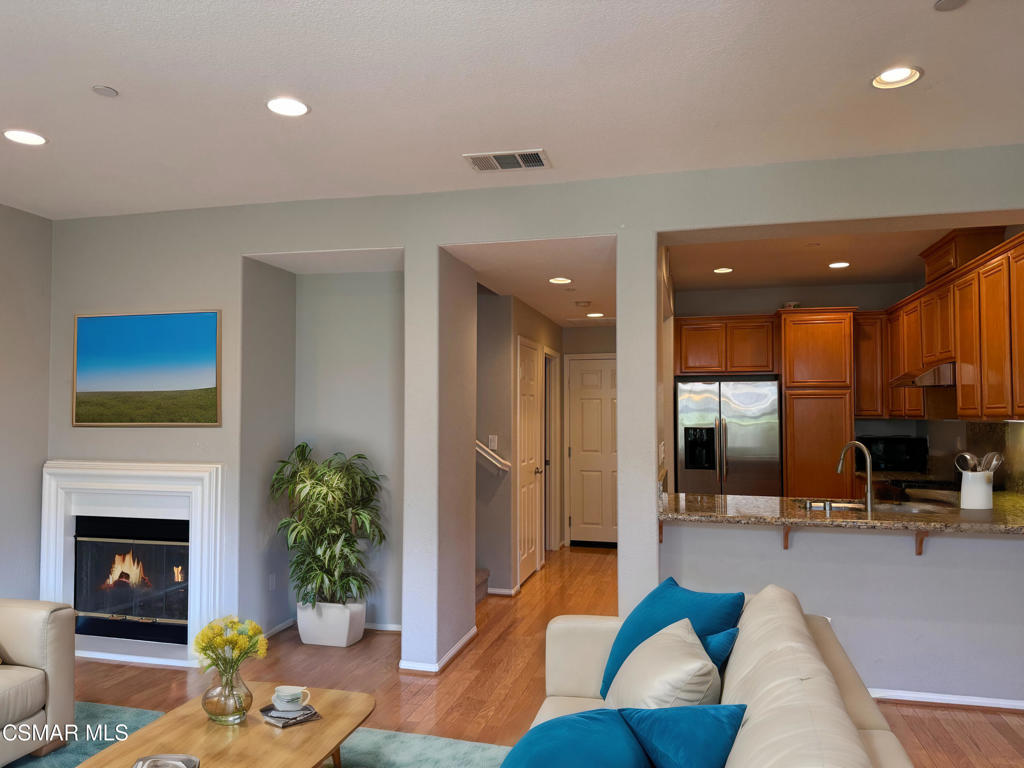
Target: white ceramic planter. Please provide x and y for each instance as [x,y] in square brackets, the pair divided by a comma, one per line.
[331,623]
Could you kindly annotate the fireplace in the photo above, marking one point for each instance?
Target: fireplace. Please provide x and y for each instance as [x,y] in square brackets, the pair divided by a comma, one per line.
[131,578]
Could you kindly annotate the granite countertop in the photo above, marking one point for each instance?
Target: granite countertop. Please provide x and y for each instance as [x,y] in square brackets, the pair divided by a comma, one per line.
[1007,516]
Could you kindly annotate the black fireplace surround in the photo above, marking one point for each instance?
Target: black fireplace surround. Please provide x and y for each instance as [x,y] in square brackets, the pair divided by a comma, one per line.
[131,578]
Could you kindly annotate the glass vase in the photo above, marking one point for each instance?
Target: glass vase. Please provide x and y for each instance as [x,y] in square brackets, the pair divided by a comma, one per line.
[227,701]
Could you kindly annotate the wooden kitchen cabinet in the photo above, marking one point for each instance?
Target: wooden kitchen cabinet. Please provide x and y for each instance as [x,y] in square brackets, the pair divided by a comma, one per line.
[958,248]
[817,348]
[904,402]
[994,311]
[967,320]
[897,395]
[740,344]
[937,327]
[819,422]
[1016,257]
[911,353]
[750,345]
[700,347]
[870,383]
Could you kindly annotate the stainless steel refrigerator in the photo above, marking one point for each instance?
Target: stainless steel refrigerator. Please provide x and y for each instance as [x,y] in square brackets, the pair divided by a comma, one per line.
[727,436]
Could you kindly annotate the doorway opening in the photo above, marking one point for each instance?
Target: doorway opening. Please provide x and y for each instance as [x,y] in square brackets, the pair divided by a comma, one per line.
[526,323]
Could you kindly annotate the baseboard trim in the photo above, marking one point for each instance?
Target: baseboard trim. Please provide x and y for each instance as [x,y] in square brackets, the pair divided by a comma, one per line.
[279,628]
[505,592]
[947,698]
[419,666]
[385,627]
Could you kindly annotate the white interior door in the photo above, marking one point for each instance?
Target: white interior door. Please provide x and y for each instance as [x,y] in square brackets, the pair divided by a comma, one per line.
[530,457]
[593,461]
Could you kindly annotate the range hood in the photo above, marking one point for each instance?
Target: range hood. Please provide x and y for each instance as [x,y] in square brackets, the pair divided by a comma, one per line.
[940,376]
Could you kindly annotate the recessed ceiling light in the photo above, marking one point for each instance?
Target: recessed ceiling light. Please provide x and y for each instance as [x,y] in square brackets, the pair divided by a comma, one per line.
[839,265]
[105,90]
[287,106]
[723,270]
[595,314]
[897,77]
[24,137]
[948,5]
[559,280]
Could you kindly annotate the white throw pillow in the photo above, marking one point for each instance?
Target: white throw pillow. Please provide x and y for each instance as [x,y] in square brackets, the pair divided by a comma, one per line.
[668,669]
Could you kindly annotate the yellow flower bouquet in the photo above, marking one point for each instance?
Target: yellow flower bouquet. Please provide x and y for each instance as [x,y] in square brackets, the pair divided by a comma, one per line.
[224,644]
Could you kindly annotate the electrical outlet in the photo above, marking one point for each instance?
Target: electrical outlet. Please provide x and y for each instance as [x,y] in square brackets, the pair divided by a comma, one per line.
[271,582]
[492,442]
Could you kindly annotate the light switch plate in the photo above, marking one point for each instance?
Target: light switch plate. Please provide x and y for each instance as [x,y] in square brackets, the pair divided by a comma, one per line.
[492,442]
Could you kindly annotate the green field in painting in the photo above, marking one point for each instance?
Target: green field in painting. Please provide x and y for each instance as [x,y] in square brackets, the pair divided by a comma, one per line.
[183,406]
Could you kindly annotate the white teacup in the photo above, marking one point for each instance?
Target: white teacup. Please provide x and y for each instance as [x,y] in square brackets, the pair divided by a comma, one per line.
[290,697]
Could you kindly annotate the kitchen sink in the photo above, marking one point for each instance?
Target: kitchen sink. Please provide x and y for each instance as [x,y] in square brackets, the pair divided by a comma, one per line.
[913,508]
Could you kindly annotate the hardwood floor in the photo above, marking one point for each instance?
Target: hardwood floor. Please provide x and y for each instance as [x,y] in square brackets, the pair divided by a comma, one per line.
[492,690]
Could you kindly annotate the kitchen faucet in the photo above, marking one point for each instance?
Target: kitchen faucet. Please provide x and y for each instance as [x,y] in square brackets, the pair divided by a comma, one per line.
[867,465]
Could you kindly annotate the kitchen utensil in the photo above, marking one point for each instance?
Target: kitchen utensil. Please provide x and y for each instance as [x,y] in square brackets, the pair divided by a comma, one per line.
[976,490]
[991,461]
[970,461]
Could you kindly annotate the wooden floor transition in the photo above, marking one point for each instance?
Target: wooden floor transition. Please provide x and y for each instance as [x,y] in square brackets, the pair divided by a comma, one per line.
[492,690]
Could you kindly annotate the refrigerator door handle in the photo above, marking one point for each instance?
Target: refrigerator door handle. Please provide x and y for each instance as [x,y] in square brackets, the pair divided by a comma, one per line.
[725,452]
[718,448]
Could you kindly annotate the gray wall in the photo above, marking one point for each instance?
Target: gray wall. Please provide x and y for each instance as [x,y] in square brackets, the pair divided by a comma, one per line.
[267,435]
[348,397]
[947,622]
[189,259]
[494,386]
[456,579]
[754,301]
[166,262]
[528,322]
[591,340]
[25,245]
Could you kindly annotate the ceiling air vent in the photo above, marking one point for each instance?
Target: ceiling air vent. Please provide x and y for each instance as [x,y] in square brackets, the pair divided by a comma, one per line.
[518,160]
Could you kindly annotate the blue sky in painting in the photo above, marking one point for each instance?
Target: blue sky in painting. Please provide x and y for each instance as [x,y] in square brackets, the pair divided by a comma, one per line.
[142,353]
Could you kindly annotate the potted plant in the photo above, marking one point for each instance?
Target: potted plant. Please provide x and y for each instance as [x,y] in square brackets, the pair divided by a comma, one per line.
[333,504]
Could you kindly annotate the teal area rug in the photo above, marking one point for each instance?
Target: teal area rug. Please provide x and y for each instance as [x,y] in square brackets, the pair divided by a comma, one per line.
[366,748]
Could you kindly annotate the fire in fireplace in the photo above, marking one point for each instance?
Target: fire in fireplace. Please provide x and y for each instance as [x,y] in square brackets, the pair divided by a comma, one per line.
[131,578]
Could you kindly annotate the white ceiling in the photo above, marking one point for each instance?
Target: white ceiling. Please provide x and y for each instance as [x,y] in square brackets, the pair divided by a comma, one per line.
[400,90]
[336,262]
[874,257]
[522,269]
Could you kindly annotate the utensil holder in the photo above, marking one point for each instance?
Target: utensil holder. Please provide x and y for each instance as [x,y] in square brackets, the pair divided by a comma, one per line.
[976,490]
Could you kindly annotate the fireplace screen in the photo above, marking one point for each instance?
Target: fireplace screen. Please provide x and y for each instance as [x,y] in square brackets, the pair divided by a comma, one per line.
[128,576]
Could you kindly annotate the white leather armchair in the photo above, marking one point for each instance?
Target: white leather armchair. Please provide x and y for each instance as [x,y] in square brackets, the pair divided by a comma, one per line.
[37,676]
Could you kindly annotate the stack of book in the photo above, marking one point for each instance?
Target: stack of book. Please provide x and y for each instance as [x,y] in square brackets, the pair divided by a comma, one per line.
[283,718]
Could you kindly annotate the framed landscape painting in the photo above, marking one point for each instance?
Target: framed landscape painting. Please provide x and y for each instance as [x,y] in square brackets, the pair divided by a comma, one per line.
[157,370]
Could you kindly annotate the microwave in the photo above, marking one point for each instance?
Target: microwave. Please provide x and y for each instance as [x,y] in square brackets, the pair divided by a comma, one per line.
[894,453]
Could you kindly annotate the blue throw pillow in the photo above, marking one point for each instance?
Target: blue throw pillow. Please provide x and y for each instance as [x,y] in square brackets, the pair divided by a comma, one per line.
[686,737]
[599,738]
[719,646]
[708,612]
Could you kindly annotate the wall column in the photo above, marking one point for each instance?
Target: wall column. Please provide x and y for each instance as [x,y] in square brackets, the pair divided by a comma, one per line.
[637,338]
[420,462]
[439,512]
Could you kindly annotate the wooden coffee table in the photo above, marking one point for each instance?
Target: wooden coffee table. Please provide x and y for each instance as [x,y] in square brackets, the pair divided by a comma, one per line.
[187,729]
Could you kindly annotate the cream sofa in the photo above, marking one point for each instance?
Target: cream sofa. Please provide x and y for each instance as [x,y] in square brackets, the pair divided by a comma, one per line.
[37,676]
[806,704]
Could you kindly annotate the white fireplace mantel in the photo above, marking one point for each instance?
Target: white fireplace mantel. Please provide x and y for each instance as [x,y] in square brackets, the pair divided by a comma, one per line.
[166,491]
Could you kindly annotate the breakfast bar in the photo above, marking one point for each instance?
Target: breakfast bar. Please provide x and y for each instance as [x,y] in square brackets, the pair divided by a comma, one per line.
[861,571]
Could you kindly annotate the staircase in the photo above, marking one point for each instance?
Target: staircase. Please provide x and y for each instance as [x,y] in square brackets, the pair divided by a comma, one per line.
[482,575]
